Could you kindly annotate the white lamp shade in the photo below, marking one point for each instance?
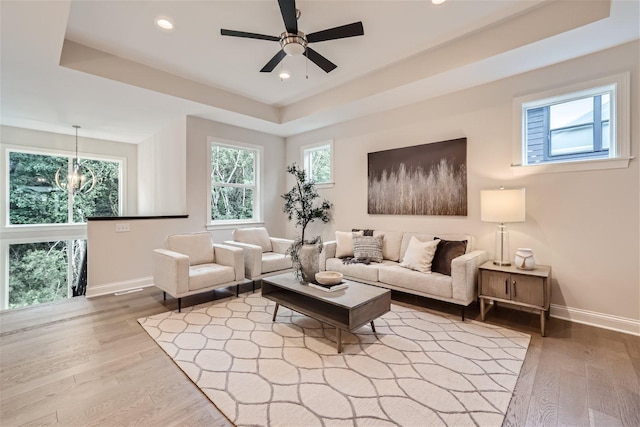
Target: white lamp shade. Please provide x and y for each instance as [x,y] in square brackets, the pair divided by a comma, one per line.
[502,205]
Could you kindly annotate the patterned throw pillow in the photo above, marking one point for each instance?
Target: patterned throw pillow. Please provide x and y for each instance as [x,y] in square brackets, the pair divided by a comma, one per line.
[368,247]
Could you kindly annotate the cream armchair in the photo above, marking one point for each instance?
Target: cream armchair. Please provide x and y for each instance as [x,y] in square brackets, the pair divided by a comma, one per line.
[263,255]
[192,263]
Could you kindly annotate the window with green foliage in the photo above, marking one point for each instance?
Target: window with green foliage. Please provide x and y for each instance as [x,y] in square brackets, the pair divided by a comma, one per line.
[39,272]
[318,162]
[46,263]
[34,197]
[234,183]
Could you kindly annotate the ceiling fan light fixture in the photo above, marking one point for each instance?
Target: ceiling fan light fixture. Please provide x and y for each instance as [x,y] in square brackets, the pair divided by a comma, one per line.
[164,23]
[293,44]
[438,1]
[284,75]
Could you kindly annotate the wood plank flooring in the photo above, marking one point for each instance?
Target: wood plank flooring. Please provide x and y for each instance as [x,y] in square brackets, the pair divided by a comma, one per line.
[88,362]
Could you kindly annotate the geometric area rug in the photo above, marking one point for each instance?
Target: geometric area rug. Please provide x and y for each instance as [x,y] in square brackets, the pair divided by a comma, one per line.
[420,369]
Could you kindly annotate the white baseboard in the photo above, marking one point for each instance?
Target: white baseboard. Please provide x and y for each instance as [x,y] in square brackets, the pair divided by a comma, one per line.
[600,320]
[111,288]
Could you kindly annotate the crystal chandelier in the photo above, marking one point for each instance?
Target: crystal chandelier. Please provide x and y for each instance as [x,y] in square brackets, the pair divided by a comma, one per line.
[81,180]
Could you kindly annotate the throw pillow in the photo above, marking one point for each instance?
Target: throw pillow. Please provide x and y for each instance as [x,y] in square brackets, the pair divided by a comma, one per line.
[446,251]
[368,247]
[419,255]
[365,231]
[344,243]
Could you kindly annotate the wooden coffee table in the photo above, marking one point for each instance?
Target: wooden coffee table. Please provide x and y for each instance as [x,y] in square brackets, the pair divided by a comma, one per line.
[347,309]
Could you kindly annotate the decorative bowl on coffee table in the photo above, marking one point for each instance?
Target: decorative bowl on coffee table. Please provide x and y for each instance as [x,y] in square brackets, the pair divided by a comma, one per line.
[329,277]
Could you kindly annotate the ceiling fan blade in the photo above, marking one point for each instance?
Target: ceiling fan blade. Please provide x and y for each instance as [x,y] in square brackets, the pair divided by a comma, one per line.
[342,32]
[273,62]
[289,15]
[320,60]
[234,33]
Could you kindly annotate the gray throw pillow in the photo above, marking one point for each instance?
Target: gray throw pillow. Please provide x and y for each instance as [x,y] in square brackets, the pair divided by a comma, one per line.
[368,247]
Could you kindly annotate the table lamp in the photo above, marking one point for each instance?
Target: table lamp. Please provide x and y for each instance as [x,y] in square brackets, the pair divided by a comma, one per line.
[502,206]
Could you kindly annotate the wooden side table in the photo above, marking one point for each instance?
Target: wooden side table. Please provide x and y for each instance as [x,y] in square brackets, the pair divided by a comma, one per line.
[524,288]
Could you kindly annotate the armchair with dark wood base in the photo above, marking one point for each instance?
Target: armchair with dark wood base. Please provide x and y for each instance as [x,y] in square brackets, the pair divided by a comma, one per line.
[192,264]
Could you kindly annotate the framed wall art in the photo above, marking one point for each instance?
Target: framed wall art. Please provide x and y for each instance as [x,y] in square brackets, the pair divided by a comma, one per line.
[427,179]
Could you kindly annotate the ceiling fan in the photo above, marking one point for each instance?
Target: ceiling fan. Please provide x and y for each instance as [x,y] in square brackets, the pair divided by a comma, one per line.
[294,42]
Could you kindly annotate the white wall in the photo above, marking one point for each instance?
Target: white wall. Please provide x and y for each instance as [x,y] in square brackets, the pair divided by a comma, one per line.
[198,130]
[162,165]
[584,224]
[122,261]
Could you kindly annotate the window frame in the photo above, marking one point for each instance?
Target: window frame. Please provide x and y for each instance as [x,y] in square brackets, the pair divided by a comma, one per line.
[6,227]
[619,122]
[305,156]
[35,233]
[258,185]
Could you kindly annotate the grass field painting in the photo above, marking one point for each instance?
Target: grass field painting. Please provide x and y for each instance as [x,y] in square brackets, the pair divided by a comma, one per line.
[428,179]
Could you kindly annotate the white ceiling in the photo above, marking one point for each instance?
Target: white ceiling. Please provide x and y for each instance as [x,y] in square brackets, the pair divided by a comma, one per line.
[105,66]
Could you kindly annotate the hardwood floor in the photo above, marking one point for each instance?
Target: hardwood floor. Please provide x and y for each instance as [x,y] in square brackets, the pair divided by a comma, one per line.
[88,362]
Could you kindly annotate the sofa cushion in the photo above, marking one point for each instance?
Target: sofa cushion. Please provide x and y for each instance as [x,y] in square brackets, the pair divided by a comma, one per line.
[368,247]
[446,251]
[391,244]
[431,284]
[272,261]
[254,236]
[206,275]
[419,255]
[197,246]
[344,243]
[355,271]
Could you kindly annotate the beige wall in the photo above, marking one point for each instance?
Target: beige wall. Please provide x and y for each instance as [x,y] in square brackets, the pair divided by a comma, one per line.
[584,224]
[162,165]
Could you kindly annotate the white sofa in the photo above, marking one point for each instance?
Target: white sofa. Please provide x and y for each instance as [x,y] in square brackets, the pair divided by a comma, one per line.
[460,288]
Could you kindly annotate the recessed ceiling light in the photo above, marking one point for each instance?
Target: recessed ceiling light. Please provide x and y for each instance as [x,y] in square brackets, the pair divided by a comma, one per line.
[438,1]
[164,23]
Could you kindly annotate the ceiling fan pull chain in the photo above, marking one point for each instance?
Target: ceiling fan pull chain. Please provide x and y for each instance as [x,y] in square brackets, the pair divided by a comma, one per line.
[306,65]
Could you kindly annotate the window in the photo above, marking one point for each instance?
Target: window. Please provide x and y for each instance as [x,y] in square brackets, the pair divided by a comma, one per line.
[586,122]
[45,271]
[317,160]
[43,249]
[234,184]
[34,197]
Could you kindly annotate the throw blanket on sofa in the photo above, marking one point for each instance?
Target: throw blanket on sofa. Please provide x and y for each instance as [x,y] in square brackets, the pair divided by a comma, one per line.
[354,260]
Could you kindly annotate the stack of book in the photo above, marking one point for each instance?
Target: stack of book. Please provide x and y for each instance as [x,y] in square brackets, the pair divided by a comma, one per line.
[329,288]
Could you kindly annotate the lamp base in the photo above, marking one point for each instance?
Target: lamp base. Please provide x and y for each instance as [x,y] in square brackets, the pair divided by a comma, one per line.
[501,256]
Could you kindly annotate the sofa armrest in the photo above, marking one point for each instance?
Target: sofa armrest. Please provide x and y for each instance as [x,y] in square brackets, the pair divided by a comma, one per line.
[252,258]
[170,271]
[464,275]
[280,245]
[231,256]
[328,251]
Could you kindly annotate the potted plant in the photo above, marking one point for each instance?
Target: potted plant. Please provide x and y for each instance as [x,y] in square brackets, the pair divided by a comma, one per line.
[300,204]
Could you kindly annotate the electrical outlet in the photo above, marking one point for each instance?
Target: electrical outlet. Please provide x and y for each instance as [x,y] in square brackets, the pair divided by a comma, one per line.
[122,227]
